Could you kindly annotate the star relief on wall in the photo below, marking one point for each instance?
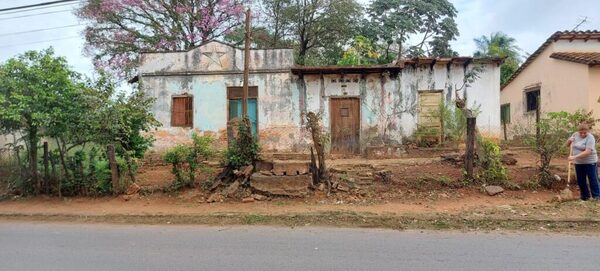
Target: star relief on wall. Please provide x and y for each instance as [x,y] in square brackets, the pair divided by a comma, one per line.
[214,58]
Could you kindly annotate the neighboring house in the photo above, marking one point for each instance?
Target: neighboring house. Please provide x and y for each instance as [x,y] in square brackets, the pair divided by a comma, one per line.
[361,106]
[563,75]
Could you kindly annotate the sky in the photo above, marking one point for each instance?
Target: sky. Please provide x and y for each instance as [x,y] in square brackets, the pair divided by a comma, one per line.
[530,22]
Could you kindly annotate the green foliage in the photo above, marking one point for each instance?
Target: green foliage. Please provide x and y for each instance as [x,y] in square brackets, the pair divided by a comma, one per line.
[431,23]
[454,120]
[490,160]
[243,150]
[427,136]
[499,44]
[361,52]
[185,160]
[41,97]
[554,129]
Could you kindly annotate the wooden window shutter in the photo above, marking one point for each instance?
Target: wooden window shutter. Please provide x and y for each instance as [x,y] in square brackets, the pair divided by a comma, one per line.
[182,111]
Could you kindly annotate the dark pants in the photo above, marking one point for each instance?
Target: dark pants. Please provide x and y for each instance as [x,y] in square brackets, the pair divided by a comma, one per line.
[587,172]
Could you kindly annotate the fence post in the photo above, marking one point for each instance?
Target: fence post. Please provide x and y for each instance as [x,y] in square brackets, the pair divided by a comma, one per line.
[470,151]
[112,161]
[46,168]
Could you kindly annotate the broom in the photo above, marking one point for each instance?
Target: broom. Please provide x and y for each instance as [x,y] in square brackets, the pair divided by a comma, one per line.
[567,194]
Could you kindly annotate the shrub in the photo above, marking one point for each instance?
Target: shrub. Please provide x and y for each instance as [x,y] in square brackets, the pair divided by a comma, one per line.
[554,129]
[490,160]
[454,122]
[243,150]
[185,159]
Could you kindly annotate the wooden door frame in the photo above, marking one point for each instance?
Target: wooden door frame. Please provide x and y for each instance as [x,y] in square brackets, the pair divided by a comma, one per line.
[340,97]
[227,99]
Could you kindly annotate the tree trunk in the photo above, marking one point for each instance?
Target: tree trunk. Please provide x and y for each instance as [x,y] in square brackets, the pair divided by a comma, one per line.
[110,154]
[470,151]
[46,169]
[129,166]
[33,153]
[65,170]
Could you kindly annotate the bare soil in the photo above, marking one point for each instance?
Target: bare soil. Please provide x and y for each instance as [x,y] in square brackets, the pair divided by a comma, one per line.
[420,186]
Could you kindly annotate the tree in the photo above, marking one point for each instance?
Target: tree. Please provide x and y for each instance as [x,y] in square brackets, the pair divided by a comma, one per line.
[32,86]
[499,44]
[317,26]
[361,52]
[120,29]
[431,23]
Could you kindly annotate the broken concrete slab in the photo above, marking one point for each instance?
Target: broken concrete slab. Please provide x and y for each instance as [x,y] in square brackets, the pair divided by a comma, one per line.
[231,189]
[293,186]
[290,168]
[493,190]
[216,197]
[133,189]
[508,160]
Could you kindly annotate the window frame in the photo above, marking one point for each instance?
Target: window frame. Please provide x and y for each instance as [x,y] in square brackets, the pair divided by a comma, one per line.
[188,120]
[526,100]
[502,119]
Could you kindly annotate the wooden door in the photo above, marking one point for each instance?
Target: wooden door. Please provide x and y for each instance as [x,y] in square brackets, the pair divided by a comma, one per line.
[345,125]
[429,122]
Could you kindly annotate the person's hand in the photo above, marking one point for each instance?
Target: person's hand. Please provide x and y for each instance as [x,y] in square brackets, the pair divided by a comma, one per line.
[571,139]
[571,158]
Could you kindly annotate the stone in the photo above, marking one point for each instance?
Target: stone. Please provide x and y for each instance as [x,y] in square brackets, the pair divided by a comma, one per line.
[262,165]
[321,187]
[231,189]
[259,197]
[133,189]
[266,173]
[509,160]
[216,197]
[493,190]
[248,200]
[290,168]
[453,157]
[383,176]
[293,186]
[343,187]
[557,178]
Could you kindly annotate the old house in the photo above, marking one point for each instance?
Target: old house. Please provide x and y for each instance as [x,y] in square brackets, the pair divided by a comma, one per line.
[362,106]
[563,74]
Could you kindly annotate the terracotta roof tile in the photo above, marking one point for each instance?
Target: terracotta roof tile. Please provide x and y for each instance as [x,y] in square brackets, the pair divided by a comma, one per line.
[589,58]
[559,35]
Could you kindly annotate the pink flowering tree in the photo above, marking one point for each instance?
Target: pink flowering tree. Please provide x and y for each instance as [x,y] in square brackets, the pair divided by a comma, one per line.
[120,29]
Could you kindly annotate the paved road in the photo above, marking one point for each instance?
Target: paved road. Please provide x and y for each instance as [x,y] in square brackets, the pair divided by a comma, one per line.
[64,247]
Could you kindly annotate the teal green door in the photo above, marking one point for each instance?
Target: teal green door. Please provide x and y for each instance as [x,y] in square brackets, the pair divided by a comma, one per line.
[235,111]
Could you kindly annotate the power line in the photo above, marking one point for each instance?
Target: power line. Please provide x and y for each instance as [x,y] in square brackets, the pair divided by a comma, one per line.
[32,9]
[36,14]
[43,4]
[38,30]
[41,41]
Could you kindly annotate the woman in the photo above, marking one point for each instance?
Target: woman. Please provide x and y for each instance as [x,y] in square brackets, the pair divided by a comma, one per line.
[583,153]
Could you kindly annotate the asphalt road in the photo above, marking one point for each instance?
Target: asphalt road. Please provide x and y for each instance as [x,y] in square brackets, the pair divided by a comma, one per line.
[64,247]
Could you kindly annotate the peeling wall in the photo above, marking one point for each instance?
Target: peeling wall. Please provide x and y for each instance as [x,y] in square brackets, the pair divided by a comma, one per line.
[389,109]
[389,104]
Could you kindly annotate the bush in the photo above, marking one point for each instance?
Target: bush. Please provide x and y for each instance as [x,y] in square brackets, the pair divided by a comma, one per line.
[185,160]
[554,129]
[490,160]
[243,150]
[455,122]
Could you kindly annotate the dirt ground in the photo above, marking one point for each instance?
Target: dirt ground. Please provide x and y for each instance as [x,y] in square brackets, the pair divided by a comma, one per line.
[419,185]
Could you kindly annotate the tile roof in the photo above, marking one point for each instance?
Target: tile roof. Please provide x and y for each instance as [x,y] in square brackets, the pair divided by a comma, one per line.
[559,35]
[396,66]
[588,58]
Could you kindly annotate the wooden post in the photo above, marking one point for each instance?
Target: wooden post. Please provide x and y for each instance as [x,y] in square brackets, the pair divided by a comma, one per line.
[112,161]
[246,65]
[504,129]
[46,168]
[470,144]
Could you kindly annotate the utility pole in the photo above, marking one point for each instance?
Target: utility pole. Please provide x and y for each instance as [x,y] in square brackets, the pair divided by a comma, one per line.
[246,66]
